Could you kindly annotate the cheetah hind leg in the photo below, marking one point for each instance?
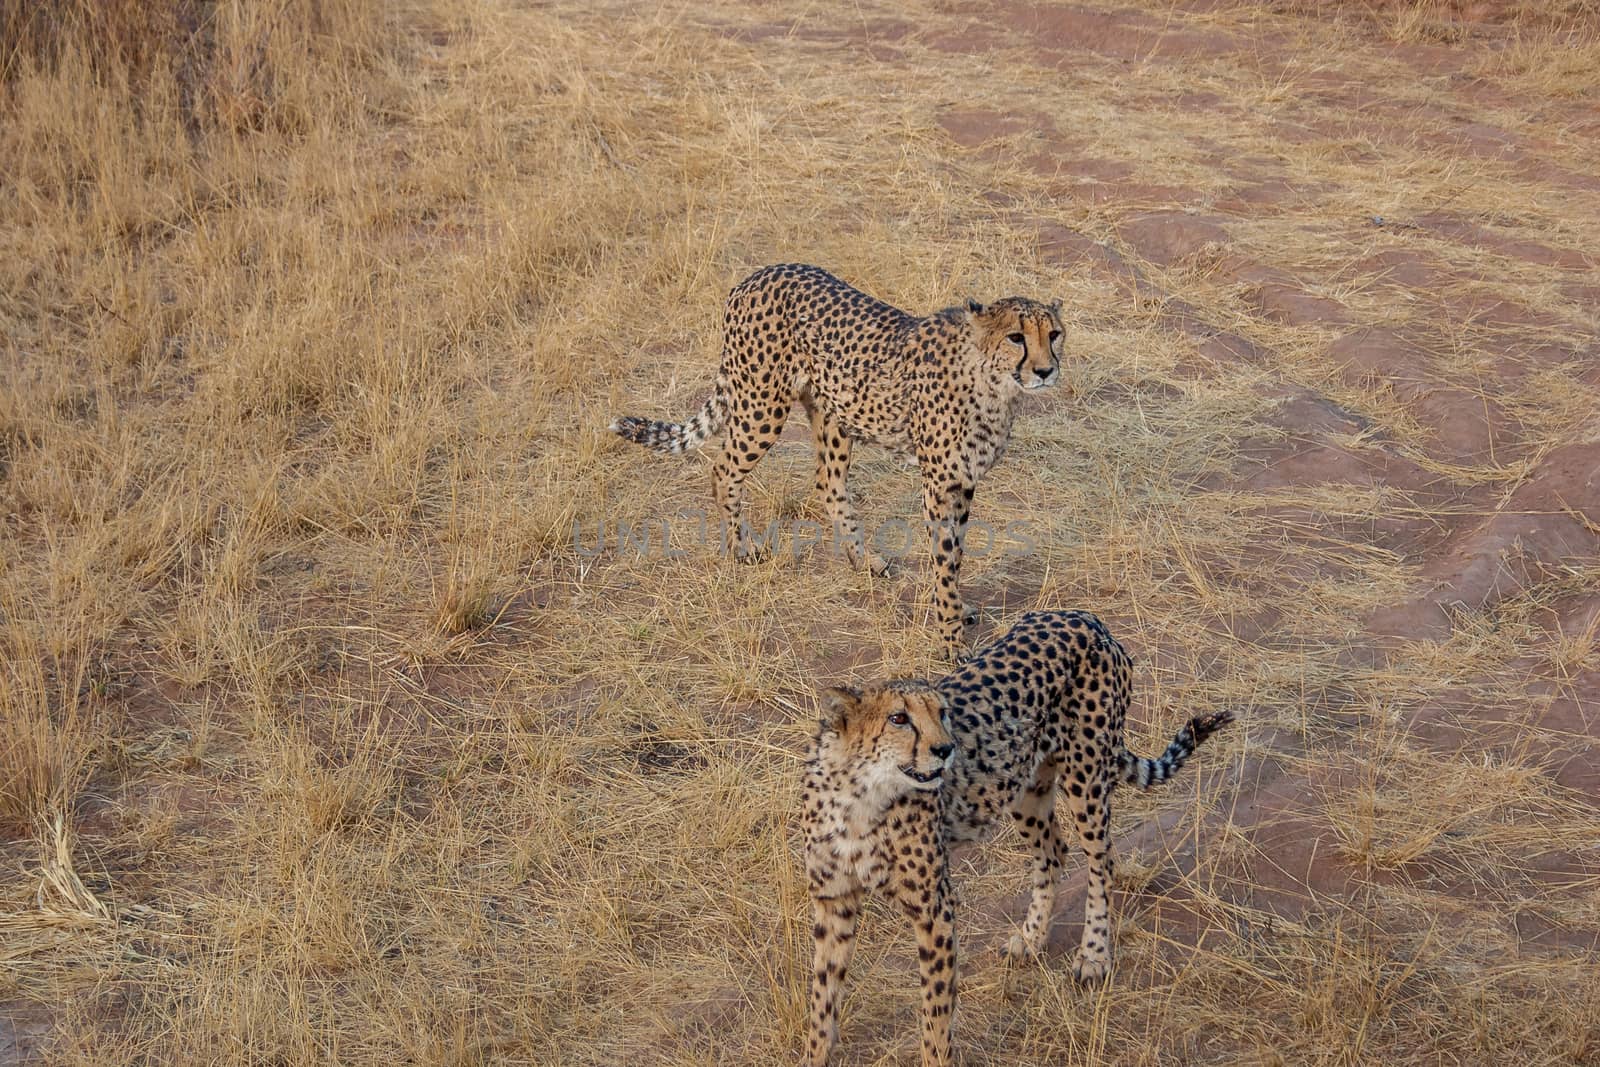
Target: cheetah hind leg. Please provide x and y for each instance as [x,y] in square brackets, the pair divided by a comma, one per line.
[750,433]
[1092,813]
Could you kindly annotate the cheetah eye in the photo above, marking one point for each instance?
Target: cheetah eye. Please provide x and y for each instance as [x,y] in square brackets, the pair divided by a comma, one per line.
[1015,338]
[1055,335]
[900,718]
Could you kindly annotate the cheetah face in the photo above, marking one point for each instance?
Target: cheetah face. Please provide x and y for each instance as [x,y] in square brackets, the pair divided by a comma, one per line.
[898,734]
[1022,339]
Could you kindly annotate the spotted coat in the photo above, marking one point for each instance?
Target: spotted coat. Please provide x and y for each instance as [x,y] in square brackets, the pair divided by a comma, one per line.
[901,771]
[943,388]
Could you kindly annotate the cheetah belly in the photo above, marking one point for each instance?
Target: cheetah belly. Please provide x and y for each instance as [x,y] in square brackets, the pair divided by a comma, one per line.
[865,398]
[896,439]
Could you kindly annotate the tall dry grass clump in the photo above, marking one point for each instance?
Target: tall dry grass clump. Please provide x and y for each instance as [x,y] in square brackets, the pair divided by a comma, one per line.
[224,63]
[120,38]
[46,742]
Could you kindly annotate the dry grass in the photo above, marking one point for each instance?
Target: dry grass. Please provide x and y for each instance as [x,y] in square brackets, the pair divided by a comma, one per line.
[321,740]
[46,744]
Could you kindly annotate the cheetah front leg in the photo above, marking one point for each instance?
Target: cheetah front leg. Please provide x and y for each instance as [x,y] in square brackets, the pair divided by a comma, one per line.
[832,467]
[932,911]
[945,507]
[1091,811]
[834,931]
[832,489]
[936,956]
[1035,813]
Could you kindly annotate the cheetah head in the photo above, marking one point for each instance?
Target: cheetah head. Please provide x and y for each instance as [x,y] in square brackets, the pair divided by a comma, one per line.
[1020,339]
[893,736]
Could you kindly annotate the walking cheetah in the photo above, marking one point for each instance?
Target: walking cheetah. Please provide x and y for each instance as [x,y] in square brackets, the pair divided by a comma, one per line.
[943,387]
[904,769]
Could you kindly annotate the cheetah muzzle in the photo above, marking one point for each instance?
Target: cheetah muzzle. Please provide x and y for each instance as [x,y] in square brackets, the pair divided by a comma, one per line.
[943,388]
[1034,718]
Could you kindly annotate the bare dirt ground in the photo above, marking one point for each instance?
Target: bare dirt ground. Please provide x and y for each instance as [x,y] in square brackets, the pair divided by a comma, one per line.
[324,741]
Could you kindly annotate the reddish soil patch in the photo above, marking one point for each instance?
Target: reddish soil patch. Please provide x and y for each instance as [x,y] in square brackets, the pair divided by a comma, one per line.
[1483,541]
[1167,237]
[1119,35]
[971,128]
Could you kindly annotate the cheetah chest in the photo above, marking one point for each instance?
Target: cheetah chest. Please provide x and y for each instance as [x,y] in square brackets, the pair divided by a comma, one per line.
[987,436]
[849,851]
[841,865]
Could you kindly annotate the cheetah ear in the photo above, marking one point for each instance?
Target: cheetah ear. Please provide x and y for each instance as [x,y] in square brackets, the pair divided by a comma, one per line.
[1055,306]
[836,706]
[974,307]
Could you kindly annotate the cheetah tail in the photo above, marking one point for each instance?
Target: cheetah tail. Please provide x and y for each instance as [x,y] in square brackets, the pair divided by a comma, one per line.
[675,437]
[1144,772]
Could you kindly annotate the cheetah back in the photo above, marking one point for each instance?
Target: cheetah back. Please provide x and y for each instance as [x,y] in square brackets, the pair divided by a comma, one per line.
[1056,683]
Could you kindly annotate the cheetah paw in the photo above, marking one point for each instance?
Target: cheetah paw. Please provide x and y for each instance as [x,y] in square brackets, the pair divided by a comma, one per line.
[970,616]
[759,554]
[1091,969]
[1019,950]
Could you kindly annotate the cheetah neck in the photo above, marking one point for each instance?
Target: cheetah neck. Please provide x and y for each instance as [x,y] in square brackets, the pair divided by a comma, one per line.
[997,394]
[993,385]
[856,799]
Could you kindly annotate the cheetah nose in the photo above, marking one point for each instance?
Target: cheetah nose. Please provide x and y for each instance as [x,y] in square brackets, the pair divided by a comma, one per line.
[942,751]
[1044,375]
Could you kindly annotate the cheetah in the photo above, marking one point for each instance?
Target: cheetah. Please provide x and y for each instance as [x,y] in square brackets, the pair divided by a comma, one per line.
[902,770]
[943,388]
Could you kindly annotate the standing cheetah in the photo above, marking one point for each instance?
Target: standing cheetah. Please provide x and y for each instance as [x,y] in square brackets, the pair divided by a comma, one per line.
[904,769]
[944,388]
